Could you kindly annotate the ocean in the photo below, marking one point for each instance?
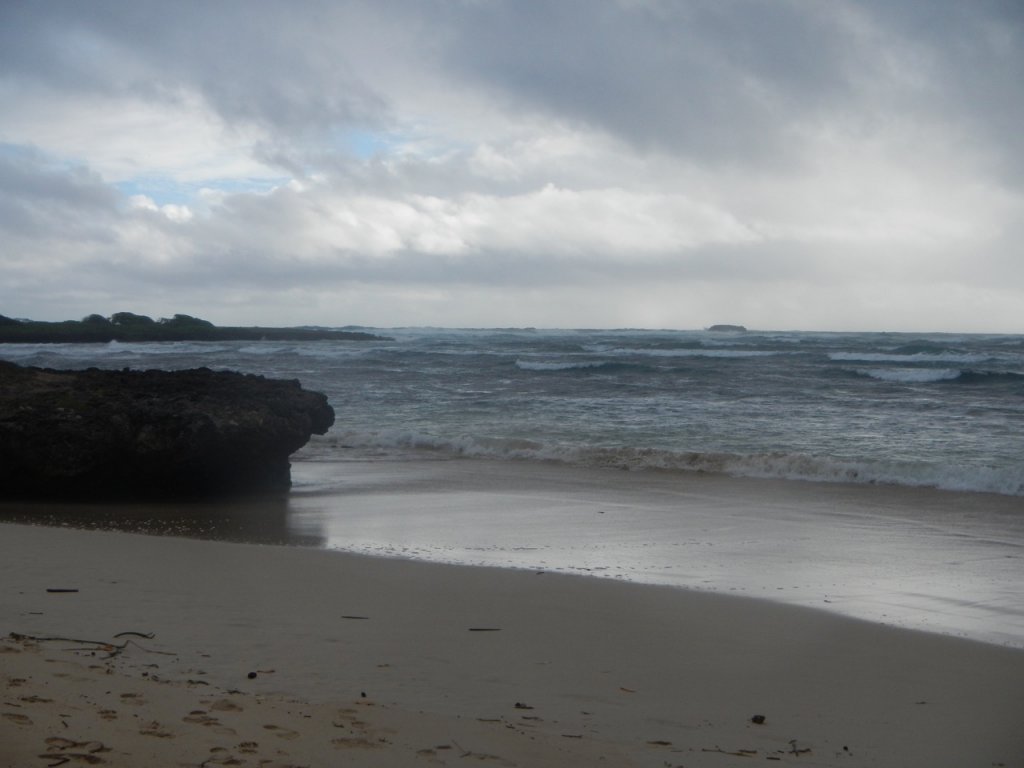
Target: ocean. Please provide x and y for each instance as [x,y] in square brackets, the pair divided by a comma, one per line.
[945,411]
[876,475]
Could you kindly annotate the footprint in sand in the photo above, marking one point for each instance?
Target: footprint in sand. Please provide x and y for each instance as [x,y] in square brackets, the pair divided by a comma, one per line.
[154,729]
[60,751]
[225,705]
[34,700]
[18,719]
[134,699]
[282,733]
[354,743]
[199,717]
[225,760]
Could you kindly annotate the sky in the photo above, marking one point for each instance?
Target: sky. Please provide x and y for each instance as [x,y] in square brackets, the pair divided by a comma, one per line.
[781,164]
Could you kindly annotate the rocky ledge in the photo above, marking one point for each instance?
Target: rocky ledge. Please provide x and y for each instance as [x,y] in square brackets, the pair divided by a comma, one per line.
[98,434]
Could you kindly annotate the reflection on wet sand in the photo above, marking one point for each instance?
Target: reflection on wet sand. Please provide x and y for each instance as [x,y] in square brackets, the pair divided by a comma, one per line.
[259,519]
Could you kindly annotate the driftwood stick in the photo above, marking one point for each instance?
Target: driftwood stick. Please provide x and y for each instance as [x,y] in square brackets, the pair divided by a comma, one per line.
[112,649]
[737,753]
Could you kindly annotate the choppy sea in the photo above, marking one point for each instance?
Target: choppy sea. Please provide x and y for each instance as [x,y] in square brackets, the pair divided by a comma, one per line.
[501,448]
[940,410]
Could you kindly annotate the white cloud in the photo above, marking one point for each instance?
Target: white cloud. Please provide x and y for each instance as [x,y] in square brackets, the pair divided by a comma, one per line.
[171,211]
[124,137]
[630,163]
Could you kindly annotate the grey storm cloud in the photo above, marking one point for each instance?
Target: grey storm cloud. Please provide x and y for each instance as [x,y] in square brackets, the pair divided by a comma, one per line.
[273,62]
[726,80]
[714,80]
[709,79]
[40,200]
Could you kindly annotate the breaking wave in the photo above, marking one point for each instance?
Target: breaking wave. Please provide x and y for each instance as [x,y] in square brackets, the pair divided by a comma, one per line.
[936,375]
[915,357]
[719,353]
[775,465]
[589,365]
[911,375]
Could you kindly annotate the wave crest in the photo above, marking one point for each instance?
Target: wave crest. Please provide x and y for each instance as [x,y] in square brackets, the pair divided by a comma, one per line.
[583,365]
[911,375]
[916,357]
[774,465]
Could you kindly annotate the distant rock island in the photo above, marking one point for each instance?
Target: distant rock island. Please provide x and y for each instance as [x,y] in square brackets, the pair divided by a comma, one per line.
[127,326]
[97,435]
[724,327]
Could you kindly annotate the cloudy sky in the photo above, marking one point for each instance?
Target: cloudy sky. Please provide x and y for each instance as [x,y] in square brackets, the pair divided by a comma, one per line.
[811,164]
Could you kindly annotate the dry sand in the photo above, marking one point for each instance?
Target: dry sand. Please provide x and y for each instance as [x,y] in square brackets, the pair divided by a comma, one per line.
[371,662]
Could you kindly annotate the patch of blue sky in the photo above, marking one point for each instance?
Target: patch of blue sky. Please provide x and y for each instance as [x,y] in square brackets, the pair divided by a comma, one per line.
[33,154]
[16,151]
[367,144]
[167,191]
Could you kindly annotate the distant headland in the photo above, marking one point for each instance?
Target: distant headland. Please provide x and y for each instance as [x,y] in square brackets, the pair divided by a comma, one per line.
[127,326]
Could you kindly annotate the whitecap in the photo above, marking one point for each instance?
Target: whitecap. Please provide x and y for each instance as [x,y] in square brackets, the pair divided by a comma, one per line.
[911,375]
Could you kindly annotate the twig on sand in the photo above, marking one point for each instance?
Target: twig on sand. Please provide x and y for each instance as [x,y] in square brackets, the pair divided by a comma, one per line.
[112,649]
[737,753]
[795,751]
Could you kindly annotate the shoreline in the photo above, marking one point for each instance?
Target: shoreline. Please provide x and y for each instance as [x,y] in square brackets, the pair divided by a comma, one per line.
[939,561]
[386,662]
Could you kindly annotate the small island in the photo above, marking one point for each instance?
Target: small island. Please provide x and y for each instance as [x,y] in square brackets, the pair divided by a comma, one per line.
[127,326]
[724,328]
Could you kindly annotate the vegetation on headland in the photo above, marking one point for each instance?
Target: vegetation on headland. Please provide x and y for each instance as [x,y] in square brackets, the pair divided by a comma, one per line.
[127,326]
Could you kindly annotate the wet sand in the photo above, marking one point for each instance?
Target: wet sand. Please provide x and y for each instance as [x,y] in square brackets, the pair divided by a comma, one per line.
[918,558]
[244,654]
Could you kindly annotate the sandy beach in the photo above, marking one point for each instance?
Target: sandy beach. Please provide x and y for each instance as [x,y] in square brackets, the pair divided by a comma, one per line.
[125,650]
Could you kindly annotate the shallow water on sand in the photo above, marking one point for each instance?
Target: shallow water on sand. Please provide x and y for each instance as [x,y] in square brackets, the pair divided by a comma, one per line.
[939,561]
[945,562]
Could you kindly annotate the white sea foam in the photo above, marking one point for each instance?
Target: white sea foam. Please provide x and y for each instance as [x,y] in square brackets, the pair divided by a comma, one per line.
[620,357]
[917,357]
[777,465]
[537,365]
[155,349]
[261,349]
[14,352]
[720,353]
[911,375]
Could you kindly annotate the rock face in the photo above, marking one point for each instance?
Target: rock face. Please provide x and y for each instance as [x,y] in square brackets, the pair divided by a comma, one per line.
[150,434]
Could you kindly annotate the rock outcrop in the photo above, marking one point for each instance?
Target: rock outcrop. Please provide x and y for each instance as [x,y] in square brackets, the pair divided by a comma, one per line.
[97,434]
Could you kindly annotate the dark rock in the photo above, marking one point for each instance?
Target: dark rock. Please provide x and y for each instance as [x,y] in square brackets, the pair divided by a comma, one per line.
[97,434]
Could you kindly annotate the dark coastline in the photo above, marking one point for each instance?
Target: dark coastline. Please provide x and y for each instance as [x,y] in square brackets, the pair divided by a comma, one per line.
[127,327]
